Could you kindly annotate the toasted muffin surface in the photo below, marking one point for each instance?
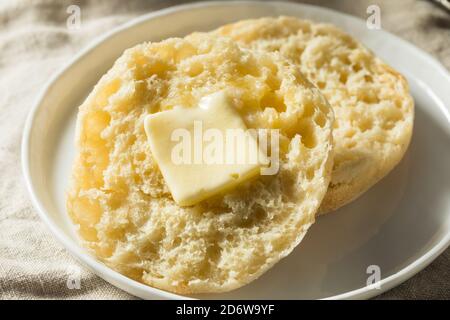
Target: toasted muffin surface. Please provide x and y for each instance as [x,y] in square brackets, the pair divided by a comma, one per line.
[121,204]
[373,108]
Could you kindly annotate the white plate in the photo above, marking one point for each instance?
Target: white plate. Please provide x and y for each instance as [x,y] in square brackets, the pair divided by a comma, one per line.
[400,225]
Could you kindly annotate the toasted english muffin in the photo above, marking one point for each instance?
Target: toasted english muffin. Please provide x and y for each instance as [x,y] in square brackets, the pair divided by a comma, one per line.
[373,108]
[121,204]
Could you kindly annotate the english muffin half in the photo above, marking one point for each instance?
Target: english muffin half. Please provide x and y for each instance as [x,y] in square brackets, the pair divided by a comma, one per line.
[373,108]
[121,203]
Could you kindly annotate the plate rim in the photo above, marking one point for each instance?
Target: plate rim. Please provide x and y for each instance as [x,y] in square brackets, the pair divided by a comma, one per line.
[122,281]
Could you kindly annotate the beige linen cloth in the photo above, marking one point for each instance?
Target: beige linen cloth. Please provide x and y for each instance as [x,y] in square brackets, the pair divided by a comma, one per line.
[35,42]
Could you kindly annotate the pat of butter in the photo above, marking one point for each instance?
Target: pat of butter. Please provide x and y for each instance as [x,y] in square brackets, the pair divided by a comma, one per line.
[203,151]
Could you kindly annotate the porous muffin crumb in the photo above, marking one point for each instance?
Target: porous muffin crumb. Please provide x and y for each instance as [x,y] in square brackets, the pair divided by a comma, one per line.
[121,204]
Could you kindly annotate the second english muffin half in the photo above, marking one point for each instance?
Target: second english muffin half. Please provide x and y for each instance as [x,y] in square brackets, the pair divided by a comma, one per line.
[119,198]
[373,108]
